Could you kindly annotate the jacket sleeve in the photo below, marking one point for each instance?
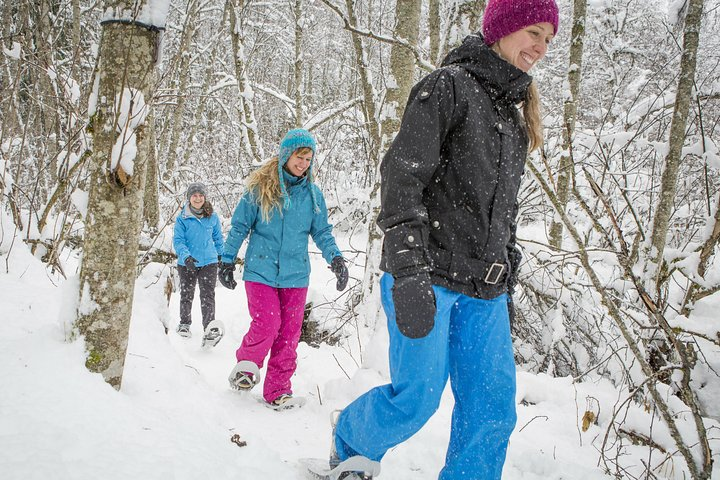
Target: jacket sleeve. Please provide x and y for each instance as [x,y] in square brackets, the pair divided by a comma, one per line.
[321,230]
[408,168]
[242,222]
[179,241]
[217,235]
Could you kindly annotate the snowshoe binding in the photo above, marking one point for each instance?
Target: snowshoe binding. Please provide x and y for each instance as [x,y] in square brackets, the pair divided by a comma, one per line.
[353,468]
[244,376]
[285,402]
[213,334]
[183,329]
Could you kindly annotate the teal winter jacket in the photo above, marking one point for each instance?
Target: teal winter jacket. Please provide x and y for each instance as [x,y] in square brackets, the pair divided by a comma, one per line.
[277,252]
[200,238]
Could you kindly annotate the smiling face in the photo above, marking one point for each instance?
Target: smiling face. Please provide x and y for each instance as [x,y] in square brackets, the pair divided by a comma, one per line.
[197,200]
[527,46]
[299,162]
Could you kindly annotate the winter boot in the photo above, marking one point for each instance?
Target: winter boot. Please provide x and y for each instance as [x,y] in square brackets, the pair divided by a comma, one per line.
[286,401]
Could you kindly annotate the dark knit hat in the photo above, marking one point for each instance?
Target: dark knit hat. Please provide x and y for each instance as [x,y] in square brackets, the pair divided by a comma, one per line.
[196,187]
[503,17]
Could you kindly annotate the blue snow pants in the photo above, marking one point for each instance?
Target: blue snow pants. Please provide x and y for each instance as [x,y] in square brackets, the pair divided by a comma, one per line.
[470,343]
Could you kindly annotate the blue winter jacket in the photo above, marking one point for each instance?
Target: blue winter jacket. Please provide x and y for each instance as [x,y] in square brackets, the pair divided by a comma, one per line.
[277,252]
[200,238]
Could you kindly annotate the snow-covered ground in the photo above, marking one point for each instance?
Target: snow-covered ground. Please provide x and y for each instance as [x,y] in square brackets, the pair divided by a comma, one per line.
[175,414]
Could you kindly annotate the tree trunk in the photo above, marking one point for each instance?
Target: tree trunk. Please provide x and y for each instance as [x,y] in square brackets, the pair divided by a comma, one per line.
[434,30]
[151,200]
[176,124]
[115,204]
[402,67]
[248,120]
[298,64]
[567,164]
[673,159]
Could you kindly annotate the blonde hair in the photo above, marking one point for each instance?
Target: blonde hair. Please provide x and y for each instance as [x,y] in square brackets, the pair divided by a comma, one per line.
[264,185]
[531,114]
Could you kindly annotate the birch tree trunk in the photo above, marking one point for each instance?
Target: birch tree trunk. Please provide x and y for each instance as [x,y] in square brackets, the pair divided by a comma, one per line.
[249,122]
[402,68]
[434,29]
[115,204]
[176,124]
[567,163]
[673,159]
[151,197]
[298,64]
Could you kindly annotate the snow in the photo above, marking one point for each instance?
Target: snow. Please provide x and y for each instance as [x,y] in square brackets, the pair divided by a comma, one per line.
[15,52]
[153,12]
[175,414]
[131,111]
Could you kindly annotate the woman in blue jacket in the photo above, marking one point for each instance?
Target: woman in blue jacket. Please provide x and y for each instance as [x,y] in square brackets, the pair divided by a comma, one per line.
[198,243]
[280,209]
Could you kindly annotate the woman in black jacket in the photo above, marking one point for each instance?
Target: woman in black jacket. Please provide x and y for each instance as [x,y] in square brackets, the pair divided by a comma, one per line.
[449,191]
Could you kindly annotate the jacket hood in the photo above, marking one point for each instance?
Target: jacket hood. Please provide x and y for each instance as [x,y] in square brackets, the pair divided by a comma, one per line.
[500,78]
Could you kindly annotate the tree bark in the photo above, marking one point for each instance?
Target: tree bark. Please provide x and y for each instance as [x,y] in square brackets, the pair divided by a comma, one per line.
[434,29]
[176,124]
[673,160]
[115,204]
[298,64]
[151,199]
[402,68]
[567,163]
[249,122]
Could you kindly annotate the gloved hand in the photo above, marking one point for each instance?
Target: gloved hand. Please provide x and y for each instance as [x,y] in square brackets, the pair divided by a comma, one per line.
[340,270]
[190,264]
[414,301]
[225,275]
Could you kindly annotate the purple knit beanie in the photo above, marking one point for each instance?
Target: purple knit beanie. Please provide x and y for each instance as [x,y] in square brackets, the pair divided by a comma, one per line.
[503,17]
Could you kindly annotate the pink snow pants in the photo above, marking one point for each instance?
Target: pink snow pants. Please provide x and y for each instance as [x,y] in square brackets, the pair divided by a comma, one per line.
[277,316]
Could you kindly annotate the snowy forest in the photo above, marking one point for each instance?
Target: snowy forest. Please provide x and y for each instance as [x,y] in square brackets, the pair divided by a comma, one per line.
[110,108]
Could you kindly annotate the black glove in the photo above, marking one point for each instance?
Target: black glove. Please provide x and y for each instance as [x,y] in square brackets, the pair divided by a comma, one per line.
[190,264]
[340,270]
[225,275]
[414,301]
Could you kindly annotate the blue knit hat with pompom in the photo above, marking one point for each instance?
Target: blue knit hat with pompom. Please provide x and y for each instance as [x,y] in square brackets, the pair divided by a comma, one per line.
[294,139]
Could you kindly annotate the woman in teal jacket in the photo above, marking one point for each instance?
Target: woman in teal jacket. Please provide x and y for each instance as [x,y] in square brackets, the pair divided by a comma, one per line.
[281,208]
[198,242]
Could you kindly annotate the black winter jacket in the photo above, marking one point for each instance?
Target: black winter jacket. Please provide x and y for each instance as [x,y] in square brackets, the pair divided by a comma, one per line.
[451,177]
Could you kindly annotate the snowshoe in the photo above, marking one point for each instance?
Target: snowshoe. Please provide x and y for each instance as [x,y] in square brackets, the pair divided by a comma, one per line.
[183,329]
[354,468]
[244,376]
[213,334]
[284,402]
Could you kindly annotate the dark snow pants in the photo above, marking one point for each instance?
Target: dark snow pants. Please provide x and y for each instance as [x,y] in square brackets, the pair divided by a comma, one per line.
[205,278]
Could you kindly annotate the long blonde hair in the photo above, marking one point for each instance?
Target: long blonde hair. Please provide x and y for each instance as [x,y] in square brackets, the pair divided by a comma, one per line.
[264,184]
[531,114]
